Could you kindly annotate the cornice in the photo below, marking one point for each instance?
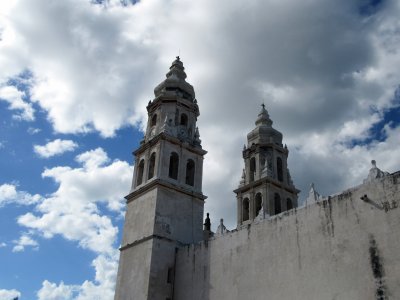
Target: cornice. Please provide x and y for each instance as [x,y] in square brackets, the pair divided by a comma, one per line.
[262,181]
[173,140]
[162,183]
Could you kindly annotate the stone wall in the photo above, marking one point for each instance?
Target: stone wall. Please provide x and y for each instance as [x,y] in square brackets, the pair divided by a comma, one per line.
[341,247]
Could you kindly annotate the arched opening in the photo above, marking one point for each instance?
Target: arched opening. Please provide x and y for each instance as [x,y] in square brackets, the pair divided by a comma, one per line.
[152,163]
[252,168]
[277,204]
[173,165]
[289,204]
[279,168]
[153,120]
[245,212]
[258,204]
[139,173]
[190,172]
[184,119]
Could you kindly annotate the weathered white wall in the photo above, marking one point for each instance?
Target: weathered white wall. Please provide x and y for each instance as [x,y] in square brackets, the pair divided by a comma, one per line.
[339,248]
[133,263]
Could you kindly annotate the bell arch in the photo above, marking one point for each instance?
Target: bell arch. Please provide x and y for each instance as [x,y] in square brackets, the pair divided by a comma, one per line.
[245,209]
[152,164]
[173,165]
[140,171]
[258,204]
[190,170]
[277,204]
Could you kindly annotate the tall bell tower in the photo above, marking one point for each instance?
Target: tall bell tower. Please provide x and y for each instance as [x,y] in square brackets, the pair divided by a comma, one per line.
[266,187]
[165,206]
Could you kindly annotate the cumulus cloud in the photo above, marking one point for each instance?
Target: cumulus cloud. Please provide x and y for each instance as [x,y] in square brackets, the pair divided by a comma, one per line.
[32,130]
[23,242]
[9,294]
[101,288]
[52,291]
[10,194]
[72,211]
[14,97]
[56,147]
[327,77]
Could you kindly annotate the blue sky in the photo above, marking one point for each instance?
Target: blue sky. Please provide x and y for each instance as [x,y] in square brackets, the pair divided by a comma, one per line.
[75,80]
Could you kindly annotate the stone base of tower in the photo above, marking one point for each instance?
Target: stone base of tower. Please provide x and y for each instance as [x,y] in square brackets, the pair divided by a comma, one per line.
[146,270]
[133,263]
[168,217]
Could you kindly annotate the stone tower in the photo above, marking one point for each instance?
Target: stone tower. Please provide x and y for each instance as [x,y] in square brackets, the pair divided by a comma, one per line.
[165,205]
[266,187]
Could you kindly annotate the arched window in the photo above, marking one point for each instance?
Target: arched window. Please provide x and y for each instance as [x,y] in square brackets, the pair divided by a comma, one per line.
[173,165]
[279,168]
[252,169]
[258,203]
[245,211]
[190,172]
[289,204]
[277,202]
[184,119]
[153,120]
[152,163]
[139,173]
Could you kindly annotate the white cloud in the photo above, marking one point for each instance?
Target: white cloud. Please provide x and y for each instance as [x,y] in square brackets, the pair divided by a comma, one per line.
[93,158]
[51,291]
[9,194]
[9,294]
[101,288]
[23,242]
[72,210]
[2,245]
[14,97]
[32,130]
[56,147]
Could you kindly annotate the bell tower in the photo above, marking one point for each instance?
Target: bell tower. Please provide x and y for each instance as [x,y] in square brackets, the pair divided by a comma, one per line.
[266,187]
[165,205]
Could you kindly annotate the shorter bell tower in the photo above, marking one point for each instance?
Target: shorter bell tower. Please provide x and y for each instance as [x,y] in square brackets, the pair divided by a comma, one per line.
[165,206]
[266,187]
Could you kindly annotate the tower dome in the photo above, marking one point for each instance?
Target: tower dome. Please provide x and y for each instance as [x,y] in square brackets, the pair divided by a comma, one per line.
[175,82]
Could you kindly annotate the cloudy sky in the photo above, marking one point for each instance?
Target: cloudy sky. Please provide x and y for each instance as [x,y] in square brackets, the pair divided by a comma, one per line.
[76,75]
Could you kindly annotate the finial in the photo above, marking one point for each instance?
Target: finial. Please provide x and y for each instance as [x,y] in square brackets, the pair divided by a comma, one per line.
[177,58]
[263,117]
[373,162]
[207,223]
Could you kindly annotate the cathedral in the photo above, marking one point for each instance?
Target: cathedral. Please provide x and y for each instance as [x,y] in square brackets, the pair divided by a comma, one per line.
[340,247]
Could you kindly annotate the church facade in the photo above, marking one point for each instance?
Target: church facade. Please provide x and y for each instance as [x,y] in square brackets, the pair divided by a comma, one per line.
[345,246]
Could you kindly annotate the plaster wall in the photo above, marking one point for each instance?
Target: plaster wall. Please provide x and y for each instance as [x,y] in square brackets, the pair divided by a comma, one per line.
[133,263]
[340,248]
[139,217]
[179,216]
